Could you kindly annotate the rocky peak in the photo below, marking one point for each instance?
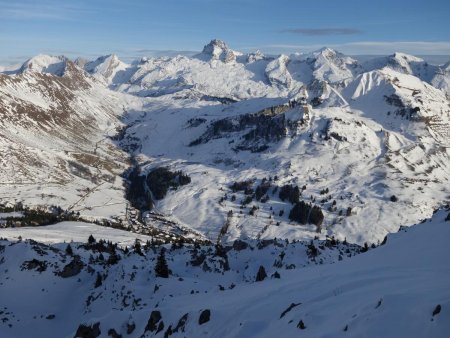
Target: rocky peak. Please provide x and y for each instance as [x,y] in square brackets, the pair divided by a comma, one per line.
[326,52]
[218,50]
[256,56]
[106,66]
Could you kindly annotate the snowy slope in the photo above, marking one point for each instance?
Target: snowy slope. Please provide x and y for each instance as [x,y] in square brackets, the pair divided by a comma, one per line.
[109,68]
[55,139]
[399,289]
[411,65]
[72,232]
[45,64]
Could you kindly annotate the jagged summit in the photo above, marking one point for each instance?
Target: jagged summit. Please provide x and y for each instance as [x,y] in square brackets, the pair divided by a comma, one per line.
[326,52]
[108,67]
[330,65]
[218,50]
[255,56]
[214,46]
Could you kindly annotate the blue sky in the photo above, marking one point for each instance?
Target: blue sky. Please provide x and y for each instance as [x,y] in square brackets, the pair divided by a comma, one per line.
[136,28]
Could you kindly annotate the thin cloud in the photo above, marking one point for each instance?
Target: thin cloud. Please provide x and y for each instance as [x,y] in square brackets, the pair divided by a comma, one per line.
[323,31]
[44,10]
[368,47]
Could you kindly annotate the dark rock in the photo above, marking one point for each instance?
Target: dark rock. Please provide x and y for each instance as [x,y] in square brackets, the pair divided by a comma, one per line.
[301,325]
[204,317]
[261,275]
[34,264]
[160,327]
[155,317]
[130,327]
[85,331]
[72,269]
[239,245]
[114,334]
[437,310]
[168,332]
[290,307]
[181,323]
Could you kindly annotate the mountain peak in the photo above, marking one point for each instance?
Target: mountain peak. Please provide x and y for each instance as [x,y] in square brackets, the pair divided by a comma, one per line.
[326,52]
[45,64]
[406,57]
[218,50]
[214,45]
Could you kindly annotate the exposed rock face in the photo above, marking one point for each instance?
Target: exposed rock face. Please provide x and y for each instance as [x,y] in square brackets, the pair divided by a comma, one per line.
[261,275]
[205,316]
[239,245]
[256,56]
[152,324]
[218,50]
[34,264]
[107,66]
[267,125]
[85,331]
[72,269]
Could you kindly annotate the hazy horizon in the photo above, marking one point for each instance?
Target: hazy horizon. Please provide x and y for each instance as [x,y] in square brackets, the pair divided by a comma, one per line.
[128,29]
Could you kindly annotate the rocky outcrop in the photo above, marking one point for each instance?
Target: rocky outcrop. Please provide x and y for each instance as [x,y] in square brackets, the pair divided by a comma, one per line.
[85,331]
[268,125]
[256,56]
[205,316]
[155,322]
[72,269]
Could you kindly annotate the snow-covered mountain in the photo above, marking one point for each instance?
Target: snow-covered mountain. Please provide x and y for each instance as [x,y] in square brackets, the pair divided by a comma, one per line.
[409,64]
[248,289]
[366,144]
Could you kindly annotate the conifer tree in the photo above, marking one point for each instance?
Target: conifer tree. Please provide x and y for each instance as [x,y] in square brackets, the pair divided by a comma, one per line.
[69,250]
[161,268]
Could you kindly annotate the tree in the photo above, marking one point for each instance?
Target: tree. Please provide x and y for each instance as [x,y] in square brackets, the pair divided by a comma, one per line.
[91,239]
[137,247]
[161,268]
[316,217]
[349,211]
[291,193]
[300,212]
[69,250]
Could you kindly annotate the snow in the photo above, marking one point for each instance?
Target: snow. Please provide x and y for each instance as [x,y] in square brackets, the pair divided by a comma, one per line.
[369,131]
[392,290]
[46,64]
[72,232]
